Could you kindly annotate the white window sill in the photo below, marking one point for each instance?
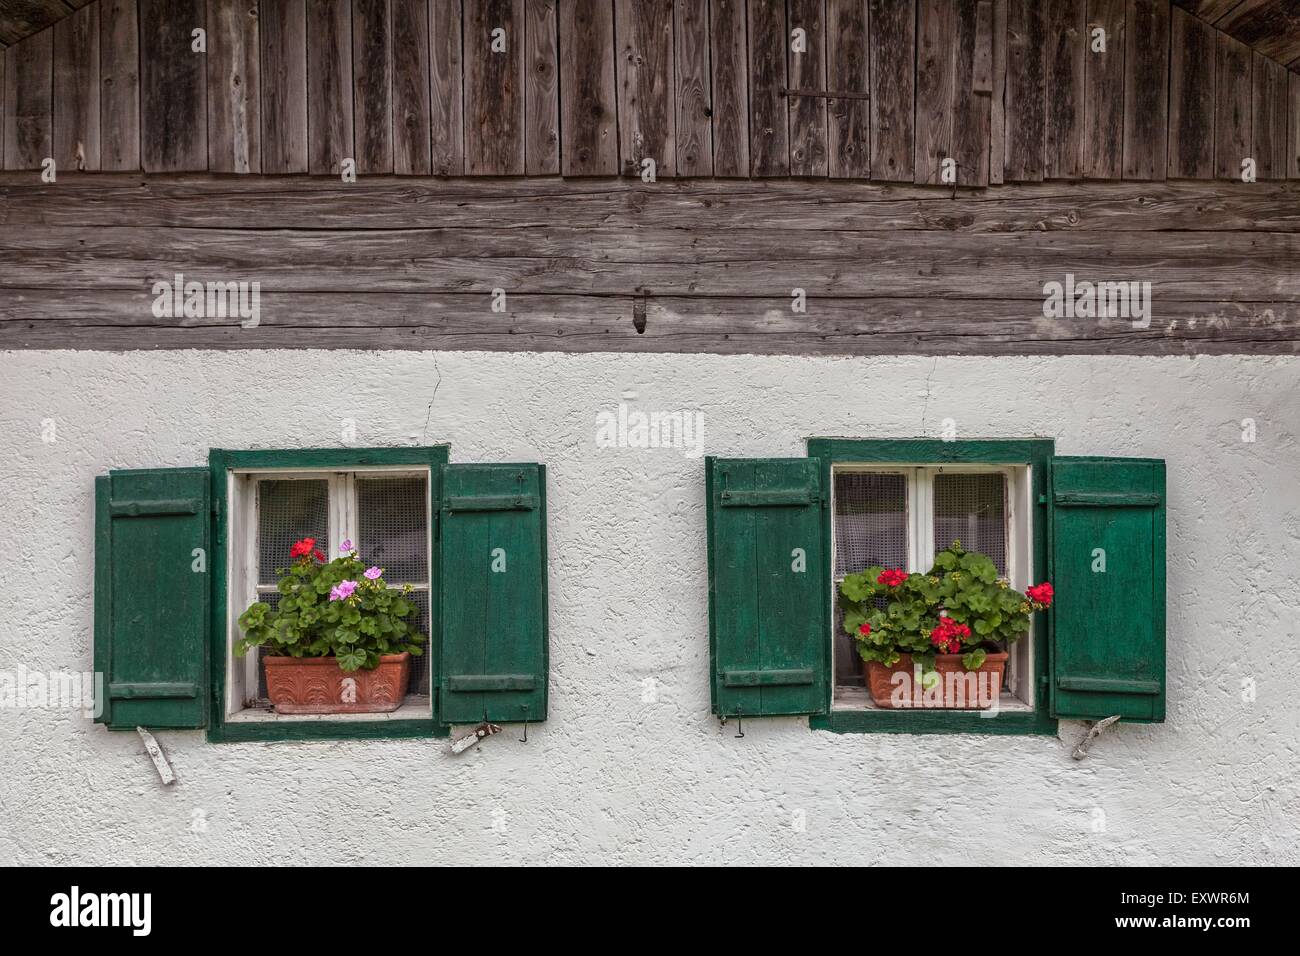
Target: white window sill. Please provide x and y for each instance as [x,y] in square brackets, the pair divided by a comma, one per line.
[856,698]
[414,707]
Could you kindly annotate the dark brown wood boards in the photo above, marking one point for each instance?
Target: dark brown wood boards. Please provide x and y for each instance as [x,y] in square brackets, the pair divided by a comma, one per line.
[588,121]
[76,90]
[173,86]
[282,24]
[1191,97]
[893,90]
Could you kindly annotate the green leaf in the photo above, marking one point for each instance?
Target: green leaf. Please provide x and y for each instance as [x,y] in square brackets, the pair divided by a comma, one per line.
[972,660]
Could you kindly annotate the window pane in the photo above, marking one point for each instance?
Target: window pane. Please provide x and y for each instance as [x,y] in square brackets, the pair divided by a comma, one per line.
[393,527]
[870,522]
[288,510]
[972,509]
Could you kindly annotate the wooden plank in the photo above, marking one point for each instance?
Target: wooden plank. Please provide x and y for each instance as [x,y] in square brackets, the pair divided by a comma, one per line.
[372,85]
[283,77]
[693,89]
[122,319]
[772,206]
[588,117]
[1233,137]
[494,87]
[1146,89]
[769,113]
[330,124]
[998,112]
[892,44]
[1270,27]
[541,89]
[411,136]
[1268,118]
[730,74]
[119,100]
[4,103]
[935,82]
[173,87]
[808,72]
[29,137]
[848,67]
[1064,82]
[234,87]
[1025,94]
[1104,70]
[25,18]
[1191,97]
[446,89]
[644,71]
[76,104]
[1293,126]
[972,86]
[603,259]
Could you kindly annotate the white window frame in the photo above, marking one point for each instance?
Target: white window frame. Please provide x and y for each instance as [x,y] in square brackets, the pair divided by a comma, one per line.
[1019,692]
[242,560]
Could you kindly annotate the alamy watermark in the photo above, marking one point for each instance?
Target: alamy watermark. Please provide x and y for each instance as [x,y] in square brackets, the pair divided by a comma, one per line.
[180,299]
[975,690]
[1098,300]
[22,689]
[625,427]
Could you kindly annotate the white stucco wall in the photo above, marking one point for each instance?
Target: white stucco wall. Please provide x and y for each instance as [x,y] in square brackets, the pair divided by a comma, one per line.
[608,777]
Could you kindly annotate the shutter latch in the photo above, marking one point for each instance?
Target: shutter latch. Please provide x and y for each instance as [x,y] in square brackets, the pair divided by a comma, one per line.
[1094,732]
[480,733]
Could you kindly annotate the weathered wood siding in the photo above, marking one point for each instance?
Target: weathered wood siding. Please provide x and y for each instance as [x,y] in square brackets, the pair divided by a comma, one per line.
[890,90]
[711,266]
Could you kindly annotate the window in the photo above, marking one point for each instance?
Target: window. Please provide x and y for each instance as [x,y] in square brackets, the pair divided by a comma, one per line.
[900,516]
[383,511]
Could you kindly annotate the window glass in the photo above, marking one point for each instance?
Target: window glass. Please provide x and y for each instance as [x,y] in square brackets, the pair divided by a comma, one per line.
[972,509]
[288,510]
[393,528]
[870,521]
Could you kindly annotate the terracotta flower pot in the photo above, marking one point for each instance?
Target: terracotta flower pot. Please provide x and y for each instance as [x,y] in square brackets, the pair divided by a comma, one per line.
[957,688]
[317,685]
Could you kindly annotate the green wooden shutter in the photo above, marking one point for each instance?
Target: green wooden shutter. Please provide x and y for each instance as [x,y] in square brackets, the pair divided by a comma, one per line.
[1108,572]
[492,541]
[151,596]
[767,618]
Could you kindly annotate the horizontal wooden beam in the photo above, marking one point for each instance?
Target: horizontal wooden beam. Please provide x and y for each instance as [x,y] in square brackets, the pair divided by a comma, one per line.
[674,267]
[288,202]
[120,320]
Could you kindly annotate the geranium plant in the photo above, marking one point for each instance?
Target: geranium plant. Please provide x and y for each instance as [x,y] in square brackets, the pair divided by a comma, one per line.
[960,607]
[339,609]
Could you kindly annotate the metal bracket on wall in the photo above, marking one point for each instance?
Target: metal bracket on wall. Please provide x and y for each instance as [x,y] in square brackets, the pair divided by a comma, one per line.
[1094,732]
[159,758]
[480,733]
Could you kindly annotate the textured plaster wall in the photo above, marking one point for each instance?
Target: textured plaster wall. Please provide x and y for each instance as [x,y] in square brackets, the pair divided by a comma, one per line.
[610,777]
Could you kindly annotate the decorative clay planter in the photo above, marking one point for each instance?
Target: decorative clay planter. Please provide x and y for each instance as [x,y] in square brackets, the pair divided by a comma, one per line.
[317,685]
[956,689]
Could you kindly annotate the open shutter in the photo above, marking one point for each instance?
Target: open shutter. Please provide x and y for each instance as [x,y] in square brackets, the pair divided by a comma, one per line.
[1108,572]
[151,597]
[492,540]
[768,591]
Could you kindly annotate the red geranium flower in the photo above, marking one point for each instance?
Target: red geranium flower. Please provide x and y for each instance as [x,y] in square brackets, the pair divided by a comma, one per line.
[302,548]
[319,556]
[891,579]
[865,629]
[1041,594]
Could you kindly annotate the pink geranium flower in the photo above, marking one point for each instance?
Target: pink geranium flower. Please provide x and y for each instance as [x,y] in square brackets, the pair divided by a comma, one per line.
[343,590]
[373,573]
[345,547]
